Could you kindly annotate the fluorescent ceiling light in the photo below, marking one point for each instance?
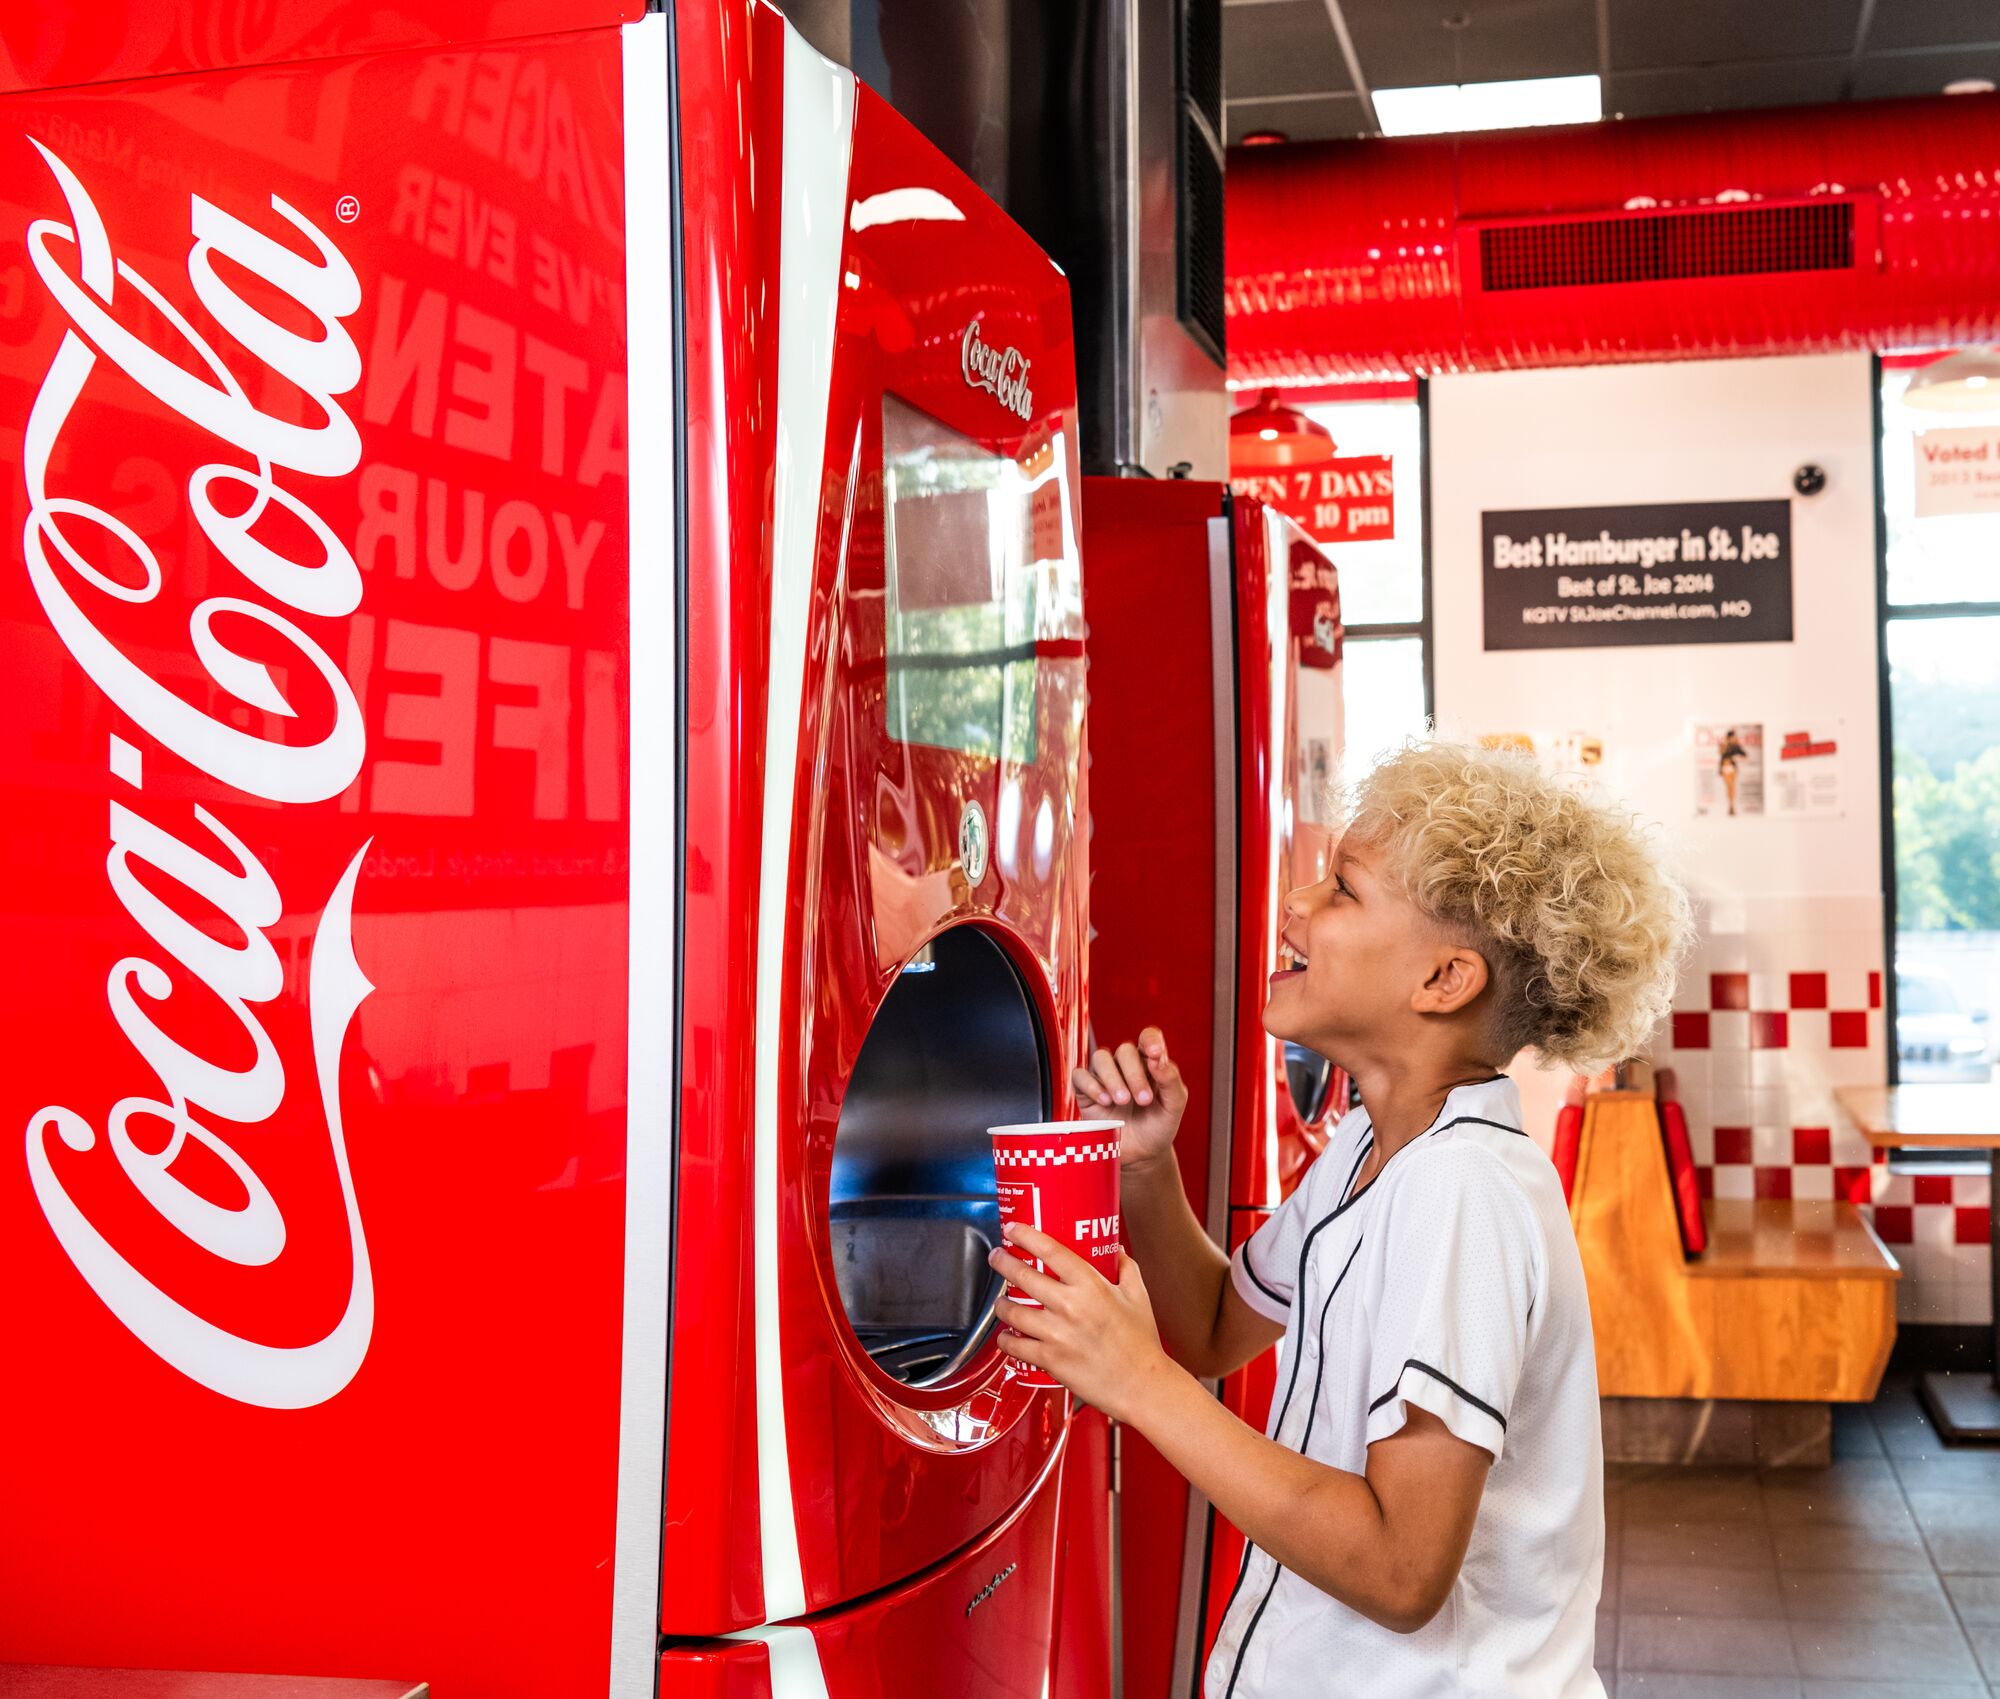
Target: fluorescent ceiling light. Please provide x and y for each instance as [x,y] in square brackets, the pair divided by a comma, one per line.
[1488,106]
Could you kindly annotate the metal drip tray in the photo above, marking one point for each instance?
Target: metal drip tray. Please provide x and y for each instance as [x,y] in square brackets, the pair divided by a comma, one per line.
[897,1273]
[954,1049]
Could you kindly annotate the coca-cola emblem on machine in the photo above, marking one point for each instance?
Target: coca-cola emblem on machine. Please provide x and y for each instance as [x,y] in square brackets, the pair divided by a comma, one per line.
[1003,372]
[188,1092]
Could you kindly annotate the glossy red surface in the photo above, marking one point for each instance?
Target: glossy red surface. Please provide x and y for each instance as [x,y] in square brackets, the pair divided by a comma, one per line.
[731,156]
[886,1479]
[1360,258]
[47,44]
[275,1425]
[1275,851]
[980,1624]
[1146,596]
[1148,586]
[1082,1655]
[1264,724]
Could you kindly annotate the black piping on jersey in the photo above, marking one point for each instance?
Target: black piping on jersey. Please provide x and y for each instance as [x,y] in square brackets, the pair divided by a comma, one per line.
[1428,1132]
[1478,1121]
[1256,1281]
[1319,1375]
[1443,1380]
[1367,1145]
[1284,1409]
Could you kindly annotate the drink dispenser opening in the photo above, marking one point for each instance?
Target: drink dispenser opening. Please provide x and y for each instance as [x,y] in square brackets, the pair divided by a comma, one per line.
[954,1049]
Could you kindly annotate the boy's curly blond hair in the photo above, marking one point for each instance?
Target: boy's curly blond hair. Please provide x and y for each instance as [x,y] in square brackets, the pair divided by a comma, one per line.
[1582,928]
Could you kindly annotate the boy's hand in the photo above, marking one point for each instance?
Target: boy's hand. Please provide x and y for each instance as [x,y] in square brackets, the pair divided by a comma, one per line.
[1096,1338]
[1140,1086]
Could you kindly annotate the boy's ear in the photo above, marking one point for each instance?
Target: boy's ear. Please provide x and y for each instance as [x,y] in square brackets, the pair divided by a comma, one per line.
[1457,976]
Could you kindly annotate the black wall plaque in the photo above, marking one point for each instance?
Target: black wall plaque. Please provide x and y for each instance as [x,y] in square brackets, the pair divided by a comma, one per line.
[1673,572]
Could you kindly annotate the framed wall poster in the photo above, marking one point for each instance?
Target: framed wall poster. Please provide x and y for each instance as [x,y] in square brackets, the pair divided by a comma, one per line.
[1728,768]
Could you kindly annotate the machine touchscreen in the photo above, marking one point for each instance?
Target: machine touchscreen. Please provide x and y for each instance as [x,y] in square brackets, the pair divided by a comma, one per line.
[973,541]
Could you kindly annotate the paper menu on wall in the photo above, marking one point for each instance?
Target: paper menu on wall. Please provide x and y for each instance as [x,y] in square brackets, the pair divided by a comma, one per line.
[1805,779]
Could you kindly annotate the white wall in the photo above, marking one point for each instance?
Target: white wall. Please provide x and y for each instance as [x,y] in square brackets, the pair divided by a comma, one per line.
[1710,430]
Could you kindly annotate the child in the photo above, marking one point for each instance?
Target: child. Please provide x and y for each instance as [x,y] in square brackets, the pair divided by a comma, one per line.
[1426,1515]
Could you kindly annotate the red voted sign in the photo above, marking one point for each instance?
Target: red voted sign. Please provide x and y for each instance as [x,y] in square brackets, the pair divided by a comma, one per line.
[1349,500]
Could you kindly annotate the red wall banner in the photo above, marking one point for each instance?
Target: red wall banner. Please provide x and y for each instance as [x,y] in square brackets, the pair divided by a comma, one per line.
[1349,500]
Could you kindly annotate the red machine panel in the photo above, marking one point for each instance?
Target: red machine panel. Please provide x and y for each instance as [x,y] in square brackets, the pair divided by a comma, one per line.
[980,1624]
[1284,1095]
[886,912]
[1155,565]
[54,45]
[314,435]
[1196,837]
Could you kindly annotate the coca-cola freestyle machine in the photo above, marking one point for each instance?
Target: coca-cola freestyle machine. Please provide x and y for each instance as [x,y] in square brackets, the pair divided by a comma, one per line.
[543,768]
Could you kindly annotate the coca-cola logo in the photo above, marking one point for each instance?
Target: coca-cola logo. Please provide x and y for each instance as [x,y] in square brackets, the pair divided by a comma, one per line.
[1001,371]
[190,1091]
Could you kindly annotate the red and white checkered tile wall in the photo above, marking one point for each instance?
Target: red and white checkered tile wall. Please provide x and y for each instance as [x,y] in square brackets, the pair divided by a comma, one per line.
[1766,1024]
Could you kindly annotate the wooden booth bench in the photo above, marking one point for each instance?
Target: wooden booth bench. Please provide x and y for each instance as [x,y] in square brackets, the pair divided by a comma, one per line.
[1739,1354]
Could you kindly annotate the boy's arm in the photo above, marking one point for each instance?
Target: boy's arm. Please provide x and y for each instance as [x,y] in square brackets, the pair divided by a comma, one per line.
[1202,1321]
[1387,1544]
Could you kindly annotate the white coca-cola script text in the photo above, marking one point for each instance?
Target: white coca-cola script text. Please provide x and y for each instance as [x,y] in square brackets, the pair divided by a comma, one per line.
[191,1091]
[1003,371]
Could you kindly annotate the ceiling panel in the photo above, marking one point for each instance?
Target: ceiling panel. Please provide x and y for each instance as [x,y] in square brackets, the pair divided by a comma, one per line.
[1404,43]
[1660,33]
[1724,88]
[1933,23]
[1667,56]
[1283,48]
[1886,75]
[1315,118]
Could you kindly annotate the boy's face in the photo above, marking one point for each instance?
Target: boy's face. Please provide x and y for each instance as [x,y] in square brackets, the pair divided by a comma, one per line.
[1360,950]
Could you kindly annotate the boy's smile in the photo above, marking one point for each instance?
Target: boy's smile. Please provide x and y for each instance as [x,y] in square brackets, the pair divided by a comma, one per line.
[1361,965]
[1346,918]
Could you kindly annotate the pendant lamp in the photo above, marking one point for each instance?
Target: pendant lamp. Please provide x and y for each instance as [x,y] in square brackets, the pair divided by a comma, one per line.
[1965,382]
[1267,435]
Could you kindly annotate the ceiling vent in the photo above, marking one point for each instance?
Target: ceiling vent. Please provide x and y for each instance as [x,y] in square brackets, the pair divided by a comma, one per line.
[1664,247]
[1870,224]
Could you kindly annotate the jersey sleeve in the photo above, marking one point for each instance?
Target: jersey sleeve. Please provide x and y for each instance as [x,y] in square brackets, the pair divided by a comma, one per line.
[1460,1274]
[1265,1267]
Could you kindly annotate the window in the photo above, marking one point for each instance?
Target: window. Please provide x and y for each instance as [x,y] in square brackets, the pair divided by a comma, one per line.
[1384,585]
[1941,636]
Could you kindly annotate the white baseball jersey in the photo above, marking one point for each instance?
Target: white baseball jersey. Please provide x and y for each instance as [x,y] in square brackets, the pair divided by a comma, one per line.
[1451,1282]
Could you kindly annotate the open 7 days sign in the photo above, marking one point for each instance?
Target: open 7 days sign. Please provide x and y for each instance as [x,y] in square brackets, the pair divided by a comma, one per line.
[1350,500]
[1675,572]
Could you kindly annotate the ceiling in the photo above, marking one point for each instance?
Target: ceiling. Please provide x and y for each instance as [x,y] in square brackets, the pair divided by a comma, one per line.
[1287,68]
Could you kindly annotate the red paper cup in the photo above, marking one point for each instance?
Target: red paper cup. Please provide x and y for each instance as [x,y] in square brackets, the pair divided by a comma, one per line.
[1060,1176]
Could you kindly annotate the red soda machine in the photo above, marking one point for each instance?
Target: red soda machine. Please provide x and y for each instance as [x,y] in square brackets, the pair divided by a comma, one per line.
[1212,743]
[544,764]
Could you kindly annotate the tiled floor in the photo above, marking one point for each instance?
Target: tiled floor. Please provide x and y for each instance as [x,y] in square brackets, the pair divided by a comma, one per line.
[1877,1578]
